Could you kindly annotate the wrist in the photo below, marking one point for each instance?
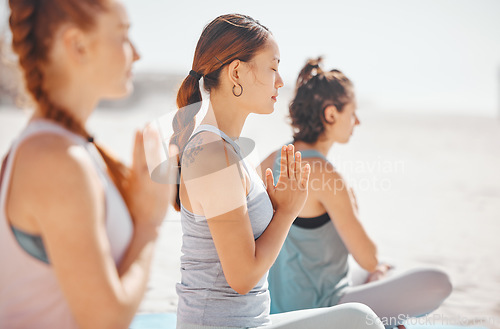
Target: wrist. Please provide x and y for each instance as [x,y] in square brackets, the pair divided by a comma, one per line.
[148,231]
[287,213]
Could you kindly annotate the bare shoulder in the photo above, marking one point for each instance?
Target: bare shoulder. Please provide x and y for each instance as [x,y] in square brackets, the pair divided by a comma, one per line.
[52,153]
[324,177]
[207,153]
[50,168]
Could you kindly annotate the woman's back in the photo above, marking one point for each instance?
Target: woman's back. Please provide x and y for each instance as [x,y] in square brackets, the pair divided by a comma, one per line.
[30,295]
[311,269]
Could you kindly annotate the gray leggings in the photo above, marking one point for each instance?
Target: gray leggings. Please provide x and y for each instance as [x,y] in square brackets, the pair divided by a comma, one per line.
[407,294]
[345,316]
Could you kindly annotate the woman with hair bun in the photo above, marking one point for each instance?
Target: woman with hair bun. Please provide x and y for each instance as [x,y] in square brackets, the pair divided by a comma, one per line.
[234,226]
[312,268]
[77,227]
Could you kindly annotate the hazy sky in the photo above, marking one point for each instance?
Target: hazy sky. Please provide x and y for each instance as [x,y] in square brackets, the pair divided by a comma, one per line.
[425,55]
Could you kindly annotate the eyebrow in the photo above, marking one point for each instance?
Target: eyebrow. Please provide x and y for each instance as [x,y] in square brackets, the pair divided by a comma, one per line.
[276,59]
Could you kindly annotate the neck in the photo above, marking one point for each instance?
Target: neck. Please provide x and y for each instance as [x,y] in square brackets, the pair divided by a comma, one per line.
[322,145]
[74,100]
[225,114]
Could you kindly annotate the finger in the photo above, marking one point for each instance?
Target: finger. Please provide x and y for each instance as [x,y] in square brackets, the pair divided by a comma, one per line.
[139,159]
[153,149]
[306,171]
[283,162]
[290,161]
[298,166]
[269,181]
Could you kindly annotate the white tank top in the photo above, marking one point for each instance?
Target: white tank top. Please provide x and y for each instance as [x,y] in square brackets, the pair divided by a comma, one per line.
[30,296]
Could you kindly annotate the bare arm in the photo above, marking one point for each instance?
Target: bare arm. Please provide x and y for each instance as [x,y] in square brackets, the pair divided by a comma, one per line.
[340,204]
[222,199]
[66,199]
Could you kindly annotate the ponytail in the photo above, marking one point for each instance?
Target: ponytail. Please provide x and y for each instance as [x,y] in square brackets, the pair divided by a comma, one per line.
[310,70]
[226,38]
[189,104]
[315,90]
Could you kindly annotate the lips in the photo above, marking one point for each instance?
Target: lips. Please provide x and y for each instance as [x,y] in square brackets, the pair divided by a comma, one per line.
[275,98]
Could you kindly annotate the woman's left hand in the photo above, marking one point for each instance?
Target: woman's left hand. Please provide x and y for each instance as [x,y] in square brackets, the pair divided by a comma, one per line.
[379,273]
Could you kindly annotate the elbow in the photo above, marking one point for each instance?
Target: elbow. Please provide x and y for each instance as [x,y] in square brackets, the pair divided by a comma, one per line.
[243,291]
[111,316]
[242,284]
[241,288]
[109,324]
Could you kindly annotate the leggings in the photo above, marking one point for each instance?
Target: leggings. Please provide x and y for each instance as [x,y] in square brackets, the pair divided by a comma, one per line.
[345,316]
[400,295]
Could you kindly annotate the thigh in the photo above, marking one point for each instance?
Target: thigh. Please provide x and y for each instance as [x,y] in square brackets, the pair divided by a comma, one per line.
[351,315]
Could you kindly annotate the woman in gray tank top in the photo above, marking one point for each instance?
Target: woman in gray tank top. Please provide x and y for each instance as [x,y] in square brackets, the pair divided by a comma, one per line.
[312,268]
[233,224]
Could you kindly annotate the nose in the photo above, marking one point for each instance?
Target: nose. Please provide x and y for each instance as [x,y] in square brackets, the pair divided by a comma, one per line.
[357,122]
[279,81]
[136,54]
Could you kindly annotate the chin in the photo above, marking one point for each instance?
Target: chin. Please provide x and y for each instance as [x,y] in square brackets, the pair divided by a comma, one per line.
[265,110]
[345,140]
[123,92]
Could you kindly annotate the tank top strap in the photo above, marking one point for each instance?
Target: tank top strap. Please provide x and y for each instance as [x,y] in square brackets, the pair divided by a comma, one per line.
[34,127]
[229,140]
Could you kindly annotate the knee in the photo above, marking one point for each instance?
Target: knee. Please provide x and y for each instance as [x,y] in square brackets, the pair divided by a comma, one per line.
[362,316]
[439,284]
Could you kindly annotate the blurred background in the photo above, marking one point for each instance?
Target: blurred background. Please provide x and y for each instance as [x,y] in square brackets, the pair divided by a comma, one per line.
[425,160]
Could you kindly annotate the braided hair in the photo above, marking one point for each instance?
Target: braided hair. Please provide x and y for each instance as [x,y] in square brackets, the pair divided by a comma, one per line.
[33,24]
[316,90]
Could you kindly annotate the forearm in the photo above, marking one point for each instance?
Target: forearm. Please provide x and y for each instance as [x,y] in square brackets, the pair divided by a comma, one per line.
[367,258]
[267,248]
[134,270]
[268,245]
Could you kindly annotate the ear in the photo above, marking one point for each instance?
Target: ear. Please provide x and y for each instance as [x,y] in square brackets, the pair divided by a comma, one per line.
[75,45]
[233,71]
[331,114]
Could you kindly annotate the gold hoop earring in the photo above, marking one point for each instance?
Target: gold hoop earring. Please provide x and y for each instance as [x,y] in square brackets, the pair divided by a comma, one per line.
[241,90]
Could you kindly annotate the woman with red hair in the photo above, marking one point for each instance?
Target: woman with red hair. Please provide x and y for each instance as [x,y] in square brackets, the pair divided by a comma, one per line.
[77,227]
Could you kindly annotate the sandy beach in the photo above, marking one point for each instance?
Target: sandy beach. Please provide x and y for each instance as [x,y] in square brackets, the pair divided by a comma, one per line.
[428,188]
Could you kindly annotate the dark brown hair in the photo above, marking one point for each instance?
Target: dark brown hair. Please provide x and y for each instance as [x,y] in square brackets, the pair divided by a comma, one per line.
[225,39]
[316,90]
[33,24]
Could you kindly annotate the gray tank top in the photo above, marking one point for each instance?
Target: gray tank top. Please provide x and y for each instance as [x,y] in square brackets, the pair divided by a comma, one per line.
[311,268]
[205,297]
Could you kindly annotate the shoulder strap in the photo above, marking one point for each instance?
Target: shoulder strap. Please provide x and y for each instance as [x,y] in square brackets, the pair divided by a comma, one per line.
[223,135]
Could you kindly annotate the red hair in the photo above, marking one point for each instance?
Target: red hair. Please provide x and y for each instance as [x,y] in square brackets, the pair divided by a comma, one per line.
[33,24]
[225,39]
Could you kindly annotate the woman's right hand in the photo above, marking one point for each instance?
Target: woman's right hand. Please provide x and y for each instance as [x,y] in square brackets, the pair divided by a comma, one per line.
[290,193]
[148,200]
